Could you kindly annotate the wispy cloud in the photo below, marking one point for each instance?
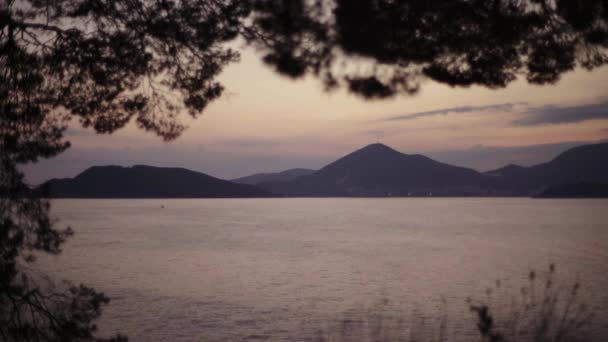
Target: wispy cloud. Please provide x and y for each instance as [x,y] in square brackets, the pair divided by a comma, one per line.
[452,110]
[529,115]
[551,115]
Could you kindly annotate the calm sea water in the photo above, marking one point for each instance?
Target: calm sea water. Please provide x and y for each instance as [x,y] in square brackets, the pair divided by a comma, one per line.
[283,269]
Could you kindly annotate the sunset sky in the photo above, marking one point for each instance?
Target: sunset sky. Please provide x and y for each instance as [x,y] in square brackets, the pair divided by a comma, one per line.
[265,122]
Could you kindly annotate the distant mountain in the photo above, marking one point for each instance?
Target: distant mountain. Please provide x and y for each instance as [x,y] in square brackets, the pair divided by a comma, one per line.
[578,190]
[378,170]
[146,182]
[582,164]
[284,176]
[375,170]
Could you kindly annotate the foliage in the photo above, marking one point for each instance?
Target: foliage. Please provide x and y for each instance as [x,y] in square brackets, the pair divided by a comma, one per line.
[110,62]
[380,48]
[32,309]
[385,322]
[105,63]
[544,312]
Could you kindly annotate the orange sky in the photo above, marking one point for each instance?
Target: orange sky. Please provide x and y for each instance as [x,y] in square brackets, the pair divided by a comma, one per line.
[266,122]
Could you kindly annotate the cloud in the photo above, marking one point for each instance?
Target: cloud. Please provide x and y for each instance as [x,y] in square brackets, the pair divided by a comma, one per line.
[462,109]
[530,116]
[552,115]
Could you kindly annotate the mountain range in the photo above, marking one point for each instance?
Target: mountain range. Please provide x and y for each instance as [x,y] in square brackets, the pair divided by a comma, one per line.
[142,181]
[587,163]
[576,190]
[374,170]
[378,170]
[283,176]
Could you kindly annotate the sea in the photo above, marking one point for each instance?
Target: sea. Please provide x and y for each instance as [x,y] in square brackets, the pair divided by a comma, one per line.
[334,269]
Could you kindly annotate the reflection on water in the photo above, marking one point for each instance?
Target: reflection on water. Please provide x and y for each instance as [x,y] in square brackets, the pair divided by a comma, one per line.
[281,269]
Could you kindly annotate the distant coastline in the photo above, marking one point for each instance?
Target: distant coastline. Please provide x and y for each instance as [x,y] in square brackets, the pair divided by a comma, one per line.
[373,171]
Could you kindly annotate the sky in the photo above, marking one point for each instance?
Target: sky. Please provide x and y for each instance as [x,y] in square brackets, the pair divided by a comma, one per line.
[265,123]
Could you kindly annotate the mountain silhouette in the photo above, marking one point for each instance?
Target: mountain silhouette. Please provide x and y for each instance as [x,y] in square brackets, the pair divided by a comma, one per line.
[582,164]
[142,181]
[284,176]
[378,170]
[576,190]
[374,170]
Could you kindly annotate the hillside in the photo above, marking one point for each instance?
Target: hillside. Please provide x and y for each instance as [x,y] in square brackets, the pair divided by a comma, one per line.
[142,181]
[378,170]
[284,176]
[374,170]
[577,190]
[587,163]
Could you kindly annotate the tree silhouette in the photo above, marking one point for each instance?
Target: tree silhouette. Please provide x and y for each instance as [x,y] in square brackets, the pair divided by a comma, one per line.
[105,63]
[110,62]
[381,48]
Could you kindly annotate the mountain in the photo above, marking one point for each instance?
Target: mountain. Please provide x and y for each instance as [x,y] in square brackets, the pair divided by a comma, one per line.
[577,190]
[375,170]
[142,181]
[378,170]
[582,164]
[284,176]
